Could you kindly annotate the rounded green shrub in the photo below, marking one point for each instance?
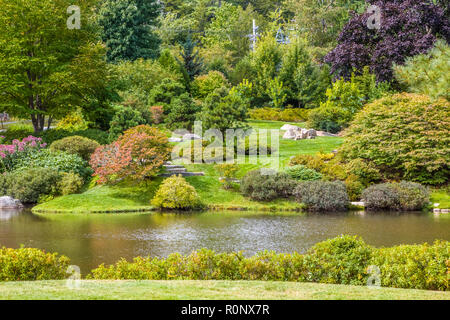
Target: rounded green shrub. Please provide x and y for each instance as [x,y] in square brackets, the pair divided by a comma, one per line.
[322,195]
[176,193]
[405,136]
[27,264]
[302,173]
[203,85]
[267,185]
[81,146]
[342,260]
[29,184]
[70,183]
[406,196]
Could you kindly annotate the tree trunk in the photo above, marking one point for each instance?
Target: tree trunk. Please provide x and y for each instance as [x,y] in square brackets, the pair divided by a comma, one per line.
[49,122]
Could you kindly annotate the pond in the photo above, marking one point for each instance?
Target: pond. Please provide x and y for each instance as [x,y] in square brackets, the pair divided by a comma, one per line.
[90,240]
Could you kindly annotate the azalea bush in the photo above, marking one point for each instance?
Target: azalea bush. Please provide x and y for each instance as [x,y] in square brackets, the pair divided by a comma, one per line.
[138,154]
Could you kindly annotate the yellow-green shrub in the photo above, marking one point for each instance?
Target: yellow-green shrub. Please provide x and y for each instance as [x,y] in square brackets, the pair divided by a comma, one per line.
[176,193]
[415,266]
[27,264]
[342,260]
[275,114]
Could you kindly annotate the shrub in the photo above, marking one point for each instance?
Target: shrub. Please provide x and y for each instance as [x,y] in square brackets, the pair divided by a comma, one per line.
[415,134]
[70,183]
[72,122]
[266,186]
[228,173]
[204,85]
[274,114]
[342,260]
[29,184]
[322,195]
[396,196]
[176,193]
[138,154]
[81,146]
[58,160]
[182,112]
[18,150]
[303,173]
[27,264]
[414,266]
[157,114]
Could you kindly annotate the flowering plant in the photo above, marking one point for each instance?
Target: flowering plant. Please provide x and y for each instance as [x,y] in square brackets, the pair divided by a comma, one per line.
[9,153]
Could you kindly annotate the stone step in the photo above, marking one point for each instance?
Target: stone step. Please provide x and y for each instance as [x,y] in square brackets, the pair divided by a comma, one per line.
[184,174]
[177,170]
[173,166]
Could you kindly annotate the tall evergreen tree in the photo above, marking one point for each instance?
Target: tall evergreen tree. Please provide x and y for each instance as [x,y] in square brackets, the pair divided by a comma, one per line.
[128,29]
[191,61]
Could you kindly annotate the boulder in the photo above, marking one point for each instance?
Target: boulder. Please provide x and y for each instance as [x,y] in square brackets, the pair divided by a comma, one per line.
[290,134]
[9,203]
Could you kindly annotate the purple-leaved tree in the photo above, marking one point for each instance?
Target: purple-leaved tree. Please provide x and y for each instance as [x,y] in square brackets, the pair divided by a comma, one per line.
[407,28]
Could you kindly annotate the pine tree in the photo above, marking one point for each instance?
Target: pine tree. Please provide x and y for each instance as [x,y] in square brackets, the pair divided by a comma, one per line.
[191,62]
[127,29]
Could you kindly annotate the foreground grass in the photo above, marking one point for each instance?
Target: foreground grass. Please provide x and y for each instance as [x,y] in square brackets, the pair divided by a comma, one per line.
[203,290]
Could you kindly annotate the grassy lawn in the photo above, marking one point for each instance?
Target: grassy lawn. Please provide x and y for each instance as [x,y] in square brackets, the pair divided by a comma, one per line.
[206,290]
[125,197]
[442,197]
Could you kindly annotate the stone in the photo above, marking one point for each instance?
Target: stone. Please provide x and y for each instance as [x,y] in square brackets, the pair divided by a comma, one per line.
[175,139]
[9,203]
[435,210]
[191,136]
[358,203]
[445,210]
[289,134]
[287,127]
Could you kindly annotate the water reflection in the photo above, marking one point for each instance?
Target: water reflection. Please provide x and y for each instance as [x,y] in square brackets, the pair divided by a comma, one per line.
[93,239]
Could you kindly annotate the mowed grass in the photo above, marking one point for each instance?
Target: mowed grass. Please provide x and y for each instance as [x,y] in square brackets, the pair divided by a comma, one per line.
[131,197]
[442,197]
[206,290]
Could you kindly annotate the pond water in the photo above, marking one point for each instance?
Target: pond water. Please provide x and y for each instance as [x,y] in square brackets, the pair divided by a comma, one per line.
[93,239]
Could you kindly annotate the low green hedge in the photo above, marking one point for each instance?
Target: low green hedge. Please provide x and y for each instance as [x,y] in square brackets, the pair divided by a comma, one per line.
[342,260]
[27,264]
